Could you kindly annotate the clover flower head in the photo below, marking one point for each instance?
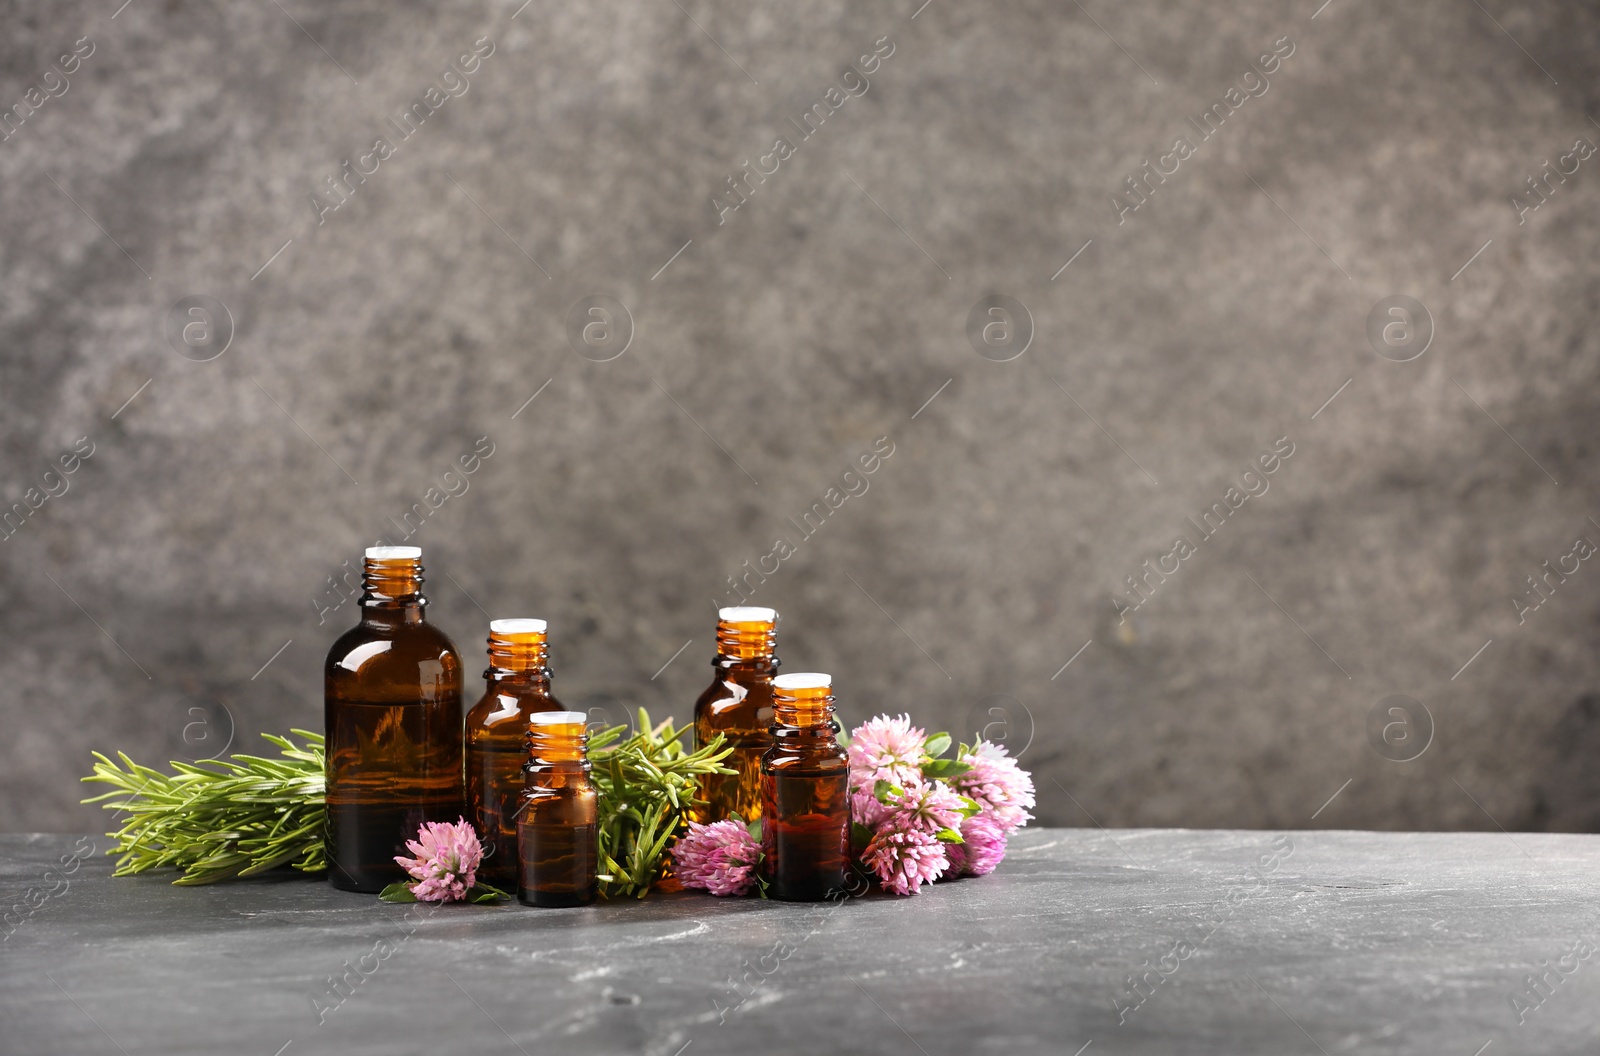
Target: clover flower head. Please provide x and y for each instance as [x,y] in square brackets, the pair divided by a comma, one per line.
[926,805]
[886,748]
[983,848]
[1001,788]
[720,857]
[905,858]
[446,864]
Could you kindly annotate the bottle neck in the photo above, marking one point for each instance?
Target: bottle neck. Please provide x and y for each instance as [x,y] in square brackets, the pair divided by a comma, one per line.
[563,745]
[392,591]
[803,709]
[746,643]
[520,657]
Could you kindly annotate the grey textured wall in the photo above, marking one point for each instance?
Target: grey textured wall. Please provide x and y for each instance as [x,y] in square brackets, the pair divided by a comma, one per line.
[1210,315]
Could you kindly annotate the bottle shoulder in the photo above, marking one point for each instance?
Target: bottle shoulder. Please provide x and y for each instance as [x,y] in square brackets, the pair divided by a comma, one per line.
[810,750]
[402,654]
[736,692]
[811,762]
[510,705]
[561,802]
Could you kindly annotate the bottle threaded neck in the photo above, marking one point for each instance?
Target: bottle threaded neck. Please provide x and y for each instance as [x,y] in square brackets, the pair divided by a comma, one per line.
[746,632]
[802,699]
[558,737]
[518,646]
[392,573]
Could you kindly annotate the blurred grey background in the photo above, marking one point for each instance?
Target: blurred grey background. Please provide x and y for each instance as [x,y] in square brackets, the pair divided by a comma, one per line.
[175,599]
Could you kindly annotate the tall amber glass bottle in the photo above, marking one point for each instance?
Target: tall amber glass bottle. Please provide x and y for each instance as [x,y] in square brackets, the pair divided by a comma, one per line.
[805,794]
[557,823]
[392,713]
[738,705]
[497,740]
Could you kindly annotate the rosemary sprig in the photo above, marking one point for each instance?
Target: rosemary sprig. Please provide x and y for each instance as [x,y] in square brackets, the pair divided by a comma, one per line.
[219,819]
[647,785]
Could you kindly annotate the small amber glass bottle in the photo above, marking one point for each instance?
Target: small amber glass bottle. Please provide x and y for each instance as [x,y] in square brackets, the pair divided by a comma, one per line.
[557,821]
[497,736]
[392,716]
[738,705]
[805,797]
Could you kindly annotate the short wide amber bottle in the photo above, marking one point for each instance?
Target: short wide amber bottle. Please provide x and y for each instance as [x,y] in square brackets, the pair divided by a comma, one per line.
[738,705]
[497,740]
[557,822]
[805,794]
[392,715]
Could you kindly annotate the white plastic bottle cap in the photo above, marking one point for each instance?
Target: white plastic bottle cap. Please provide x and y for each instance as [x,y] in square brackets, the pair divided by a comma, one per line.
[803,680]
[557,718]
[393,553]
[747,614]
[517,626]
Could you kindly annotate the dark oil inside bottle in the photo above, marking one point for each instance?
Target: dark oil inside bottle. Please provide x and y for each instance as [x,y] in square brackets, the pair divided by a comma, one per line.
[562,864]
[394,767]
[494,786]
[805,839]
[738,793]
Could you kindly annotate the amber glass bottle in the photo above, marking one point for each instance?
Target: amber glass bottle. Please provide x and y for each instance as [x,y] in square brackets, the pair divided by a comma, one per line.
[557,820]
[738,705]
[497,740]
[805,795]
[392,715]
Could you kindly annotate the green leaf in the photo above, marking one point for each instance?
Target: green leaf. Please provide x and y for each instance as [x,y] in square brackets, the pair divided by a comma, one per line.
[944,769]
[397,893]
[881,790]
[938,744]
[860,835]
[948,836]
[481,892]
[969,807]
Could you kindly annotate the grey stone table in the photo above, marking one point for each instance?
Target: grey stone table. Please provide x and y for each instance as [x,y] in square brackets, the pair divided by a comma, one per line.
[1125,941]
